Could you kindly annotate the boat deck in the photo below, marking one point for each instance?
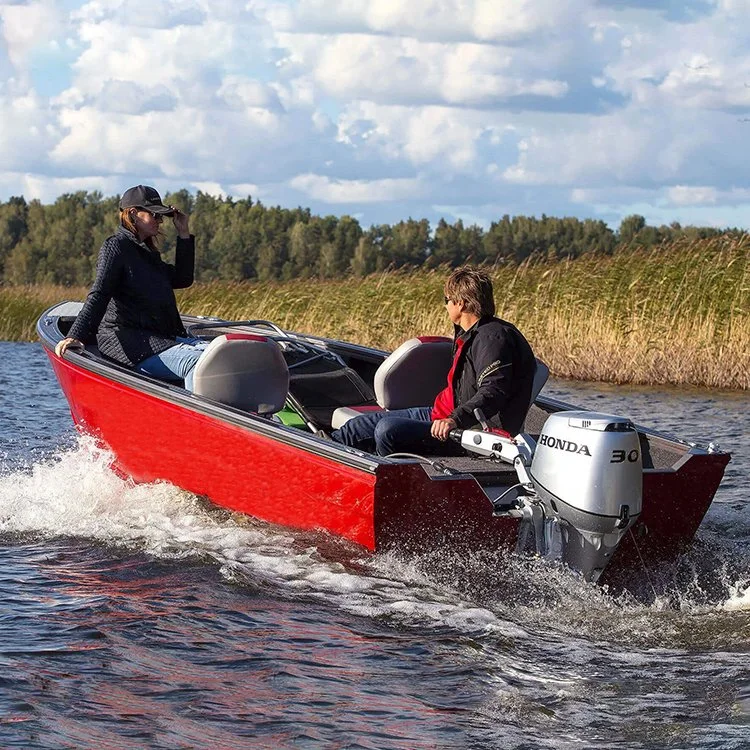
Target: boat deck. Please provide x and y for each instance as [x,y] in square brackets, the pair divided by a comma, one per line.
[658,452]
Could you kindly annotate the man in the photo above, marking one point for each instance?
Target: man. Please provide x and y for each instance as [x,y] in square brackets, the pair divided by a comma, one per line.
[493,371]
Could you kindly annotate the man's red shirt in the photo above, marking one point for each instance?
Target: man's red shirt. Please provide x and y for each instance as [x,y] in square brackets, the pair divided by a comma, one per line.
[445,402]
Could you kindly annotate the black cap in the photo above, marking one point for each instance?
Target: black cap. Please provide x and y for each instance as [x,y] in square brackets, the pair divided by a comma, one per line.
[143,196]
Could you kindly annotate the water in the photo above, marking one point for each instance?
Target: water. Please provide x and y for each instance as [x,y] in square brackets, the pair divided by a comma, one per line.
[138,616]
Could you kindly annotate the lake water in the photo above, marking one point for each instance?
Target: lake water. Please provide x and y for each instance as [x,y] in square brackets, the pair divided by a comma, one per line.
[139,617]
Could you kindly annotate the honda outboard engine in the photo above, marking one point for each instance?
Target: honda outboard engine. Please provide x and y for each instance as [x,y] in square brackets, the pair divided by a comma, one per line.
[580,485]
[588,474]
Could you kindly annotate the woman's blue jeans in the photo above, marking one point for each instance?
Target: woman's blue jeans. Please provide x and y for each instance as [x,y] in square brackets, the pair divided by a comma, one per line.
[175,363]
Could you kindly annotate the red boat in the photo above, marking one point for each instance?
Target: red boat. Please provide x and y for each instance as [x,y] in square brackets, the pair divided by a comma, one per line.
[589,489]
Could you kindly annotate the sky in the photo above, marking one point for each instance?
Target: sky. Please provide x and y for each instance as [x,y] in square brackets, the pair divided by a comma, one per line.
[386,109]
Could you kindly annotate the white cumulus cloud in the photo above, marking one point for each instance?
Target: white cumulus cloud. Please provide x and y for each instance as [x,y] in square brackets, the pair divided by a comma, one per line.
[26,27]
[686,195]
[483,107]
[322,188]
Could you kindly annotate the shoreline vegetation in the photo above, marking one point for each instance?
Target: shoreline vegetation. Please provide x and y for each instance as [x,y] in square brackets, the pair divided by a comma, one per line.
[676,314]
[246,240]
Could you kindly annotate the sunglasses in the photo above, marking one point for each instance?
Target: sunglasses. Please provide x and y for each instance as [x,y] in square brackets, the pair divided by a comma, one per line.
[152,214]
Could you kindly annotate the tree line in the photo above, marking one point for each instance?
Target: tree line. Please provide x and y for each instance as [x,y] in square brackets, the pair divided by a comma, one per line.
[243,239]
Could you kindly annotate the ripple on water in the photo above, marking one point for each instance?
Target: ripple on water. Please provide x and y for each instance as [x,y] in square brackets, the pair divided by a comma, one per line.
[75,493]
[140,616]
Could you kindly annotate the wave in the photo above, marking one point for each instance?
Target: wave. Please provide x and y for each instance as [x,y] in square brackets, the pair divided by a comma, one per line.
[74,492]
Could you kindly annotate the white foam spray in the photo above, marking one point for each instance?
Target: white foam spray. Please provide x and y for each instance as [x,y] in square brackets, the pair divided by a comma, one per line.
[76,493]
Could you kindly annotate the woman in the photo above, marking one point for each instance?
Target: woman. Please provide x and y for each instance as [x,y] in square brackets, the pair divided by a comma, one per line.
[131,307]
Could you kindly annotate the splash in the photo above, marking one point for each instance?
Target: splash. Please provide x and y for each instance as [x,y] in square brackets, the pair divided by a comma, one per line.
[739,599]
[75,493]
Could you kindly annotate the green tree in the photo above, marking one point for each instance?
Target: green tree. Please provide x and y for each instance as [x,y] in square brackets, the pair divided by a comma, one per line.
[630,226]
[13,227]
[365,257]
[446,245]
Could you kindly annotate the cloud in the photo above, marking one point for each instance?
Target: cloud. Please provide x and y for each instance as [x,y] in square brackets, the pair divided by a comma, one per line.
[633,147]
[162,14]
[696,66]
[430,20]
[42,187]
[477,107]
[428,136]
[689,205]
[126,97]
[322,188]
[25,27]
[154,56]
[685,195]
[28,132]
[240,92]
[408,71]
[182,143]
[239,190]
[210,188]
[675,10]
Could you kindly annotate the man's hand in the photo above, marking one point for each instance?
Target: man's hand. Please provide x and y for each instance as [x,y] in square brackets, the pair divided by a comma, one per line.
[441,428]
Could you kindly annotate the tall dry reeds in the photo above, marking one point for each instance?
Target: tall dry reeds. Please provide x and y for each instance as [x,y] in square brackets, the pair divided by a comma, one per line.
[21,306]
[679,314]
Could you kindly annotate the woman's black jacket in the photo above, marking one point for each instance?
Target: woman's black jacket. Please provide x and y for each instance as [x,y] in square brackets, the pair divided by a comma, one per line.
[494,373]
[131,306]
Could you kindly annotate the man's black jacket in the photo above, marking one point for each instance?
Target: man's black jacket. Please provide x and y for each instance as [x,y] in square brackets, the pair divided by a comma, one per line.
[131,306]
[494,373]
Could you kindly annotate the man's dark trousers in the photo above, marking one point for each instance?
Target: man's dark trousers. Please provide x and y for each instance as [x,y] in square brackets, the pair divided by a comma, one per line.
[398,431]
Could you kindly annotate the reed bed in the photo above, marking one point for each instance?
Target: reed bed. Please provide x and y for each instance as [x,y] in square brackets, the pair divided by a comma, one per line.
[21,306]
[677,315]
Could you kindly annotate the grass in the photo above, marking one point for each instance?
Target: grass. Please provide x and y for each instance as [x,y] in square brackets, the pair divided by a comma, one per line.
[676,315]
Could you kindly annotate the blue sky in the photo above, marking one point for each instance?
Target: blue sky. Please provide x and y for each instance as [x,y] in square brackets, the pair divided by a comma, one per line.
[383,109]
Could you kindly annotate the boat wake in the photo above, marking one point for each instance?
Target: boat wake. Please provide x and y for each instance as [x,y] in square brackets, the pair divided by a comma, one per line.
[75,493]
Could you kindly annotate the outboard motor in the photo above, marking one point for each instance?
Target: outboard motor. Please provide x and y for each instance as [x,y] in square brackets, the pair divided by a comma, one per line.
[581,485]
[588,473]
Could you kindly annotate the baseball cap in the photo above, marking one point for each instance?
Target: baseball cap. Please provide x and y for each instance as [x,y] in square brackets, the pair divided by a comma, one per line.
[143,196]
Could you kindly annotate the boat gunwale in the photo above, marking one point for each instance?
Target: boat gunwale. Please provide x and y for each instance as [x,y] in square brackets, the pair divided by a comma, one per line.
[290,436]
[170,393]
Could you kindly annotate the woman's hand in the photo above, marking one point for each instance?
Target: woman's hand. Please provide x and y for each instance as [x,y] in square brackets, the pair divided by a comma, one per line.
[65,344]
[442,427]
[180,221]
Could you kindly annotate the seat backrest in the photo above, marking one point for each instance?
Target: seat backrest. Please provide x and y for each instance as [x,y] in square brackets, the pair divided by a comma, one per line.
[244,371]
[415,373]
[540,378]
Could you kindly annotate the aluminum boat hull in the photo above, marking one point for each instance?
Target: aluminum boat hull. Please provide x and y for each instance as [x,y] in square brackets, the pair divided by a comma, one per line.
[281,475]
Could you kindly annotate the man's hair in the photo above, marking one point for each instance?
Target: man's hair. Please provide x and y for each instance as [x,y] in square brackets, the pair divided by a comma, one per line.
[473,287]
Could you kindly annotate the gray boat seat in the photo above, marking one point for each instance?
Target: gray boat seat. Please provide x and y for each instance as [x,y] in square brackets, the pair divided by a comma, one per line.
[245,371]
[414,374]
[411,375]
[541,375]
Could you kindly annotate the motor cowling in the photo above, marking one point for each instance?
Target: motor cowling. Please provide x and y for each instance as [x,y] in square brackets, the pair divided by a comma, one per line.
[588,472]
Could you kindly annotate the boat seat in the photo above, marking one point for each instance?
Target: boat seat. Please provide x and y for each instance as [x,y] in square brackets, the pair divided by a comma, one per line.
[411,375]
[414,374]
[245,371]
[541,374]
